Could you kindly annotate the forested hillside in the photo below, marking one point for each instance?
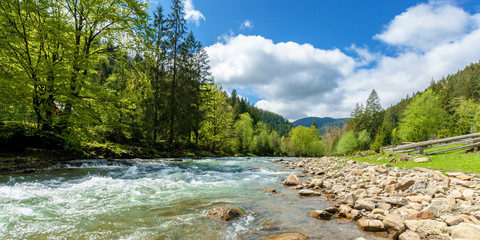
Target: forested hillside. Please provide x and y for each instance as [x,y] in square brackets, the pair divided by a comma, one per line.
[104,79]
[323,124]
[448,107]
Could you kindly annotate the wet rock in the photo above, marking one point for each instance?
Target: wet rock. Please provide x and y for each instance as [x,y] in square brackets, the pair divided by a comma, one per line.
[422,159]
[354,214]
[271,190]
[409,235]
[344,210]
[225,213]
[370,225]
[364,204]
[292,180]
[324,215]
[308,192]
[332,210]
[427,227]
[287,236]
[465,231]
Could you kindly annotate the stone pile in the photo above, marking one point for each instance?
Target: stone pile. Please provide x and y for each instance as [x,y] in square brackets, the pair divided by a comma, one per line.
[407,204]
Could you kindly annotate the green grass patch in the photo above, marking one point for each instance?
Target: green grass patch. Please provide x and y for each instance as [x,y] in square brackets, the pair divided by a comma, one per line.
[449,161]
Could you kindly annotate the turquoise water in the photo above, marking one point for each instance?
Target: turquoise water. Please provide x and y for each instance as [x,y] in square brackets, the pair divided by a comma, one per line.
[158,199]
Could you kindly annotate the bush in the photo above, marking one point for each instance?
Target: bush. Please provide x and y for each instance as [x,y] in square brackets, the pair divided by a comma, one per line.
[347,144]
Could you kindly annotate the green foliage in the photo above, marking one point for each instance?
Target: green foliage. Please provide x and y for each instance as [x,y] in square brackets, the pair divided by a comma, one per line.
[364,140]
[243,129]
[304,141]
[424,118]
[347,144]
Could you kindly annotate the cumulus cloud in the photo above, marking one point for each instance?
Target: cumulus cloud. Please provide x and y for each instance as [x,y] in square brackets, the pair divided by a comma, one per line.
[298,80]
[246,24]
[191,14]
[424,26]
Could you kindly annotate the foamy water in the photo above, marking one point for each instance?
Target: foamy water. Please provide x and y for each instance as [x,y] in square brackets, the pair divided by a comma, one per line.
[91,199]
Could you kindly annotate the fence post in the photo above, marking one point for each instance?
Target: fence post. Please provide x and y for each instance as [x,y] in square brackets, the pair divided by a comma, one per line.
[472,129]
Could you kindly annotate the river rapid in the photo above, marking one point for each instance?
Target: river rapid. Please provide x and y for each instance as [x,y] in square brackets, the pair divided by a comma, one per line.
[160,199]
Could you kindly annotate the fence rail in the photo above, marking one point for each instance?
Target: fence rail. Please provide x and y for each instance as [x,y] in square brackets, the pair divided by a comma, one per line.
[468,140]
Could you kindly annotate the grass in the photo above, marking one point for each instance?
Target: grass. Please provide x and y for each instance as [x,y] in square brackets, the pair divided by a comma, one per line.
[449,161]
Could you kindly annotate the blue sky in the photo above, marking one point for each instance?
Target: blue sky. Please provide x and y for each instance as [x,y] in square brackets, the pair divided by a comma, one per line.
[320,57]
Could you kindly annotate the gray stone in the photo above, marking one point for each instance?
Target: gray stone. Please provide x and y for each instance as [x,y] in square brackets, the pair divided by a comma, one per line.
[404,158]
[225,213]
[440,207]
[394,223]
[370,225]
[401,201]
[308,192]
[405,184]
[452,220]
[422,159]
[350,199]
[465,231]
[316,183]
[364,204]
[428,227]
[455,194]
[409,235]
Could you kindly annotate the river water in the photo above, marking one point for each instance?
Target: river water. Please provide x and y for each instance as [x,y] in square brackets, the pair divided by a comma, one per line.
[159,199]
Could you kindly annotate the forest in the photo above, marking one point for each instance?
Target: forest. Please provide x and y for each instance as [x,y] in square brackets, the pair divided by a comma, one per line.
[448,107]
[105,79]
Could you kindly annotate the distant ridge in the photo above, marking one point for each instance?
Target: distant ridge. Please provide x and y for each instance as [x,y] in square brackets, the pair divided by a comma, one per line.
[322,123]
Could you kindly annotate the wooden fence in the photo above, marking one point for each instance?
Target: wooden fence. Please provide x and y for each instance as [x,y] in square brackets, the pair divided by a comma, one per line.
[469,140]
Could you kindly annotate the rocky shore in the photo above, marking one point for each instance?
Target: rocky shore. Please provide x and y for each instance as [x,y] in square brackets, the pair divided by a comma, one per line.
[406,204]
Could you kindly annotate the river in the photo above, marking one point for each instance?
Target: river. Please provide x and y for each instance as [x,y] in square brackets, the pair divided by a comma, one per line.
[159,199]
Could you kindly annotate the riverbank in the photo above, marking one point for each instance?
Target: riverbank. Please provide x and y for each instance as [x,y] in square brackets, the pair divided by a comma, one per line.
[416,203]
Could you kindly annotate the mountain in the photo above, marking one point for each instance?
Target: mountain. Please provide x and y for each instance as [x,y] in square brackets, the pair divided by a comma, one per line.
[322,123]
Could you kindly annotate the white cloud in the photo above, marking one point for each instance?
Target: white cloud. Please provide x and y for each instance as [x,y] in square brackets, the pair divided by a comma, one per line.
[191,14]
[297,80]
[424,26]
[246,24]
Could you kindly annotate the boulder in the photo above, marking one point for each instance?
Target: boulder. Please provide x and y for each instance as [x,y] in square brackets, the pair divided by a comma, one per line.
[350,199]
[455,194]
[404,158]
[308,192]
[465,231]
[405,184]
[370,225]
[287,236]
[451,220]
[324,215]
[364,204]
[292,180]
[441,206]
[409,235]
[394,223]
[400,201]
[316,183]
[380,169]
[427,227]
[225,213]
[422,159]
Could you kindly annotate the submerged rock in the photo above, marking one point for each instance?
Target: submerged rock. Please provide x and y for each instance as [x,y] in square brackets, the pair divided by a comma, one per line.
[287,236]
[225,213]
